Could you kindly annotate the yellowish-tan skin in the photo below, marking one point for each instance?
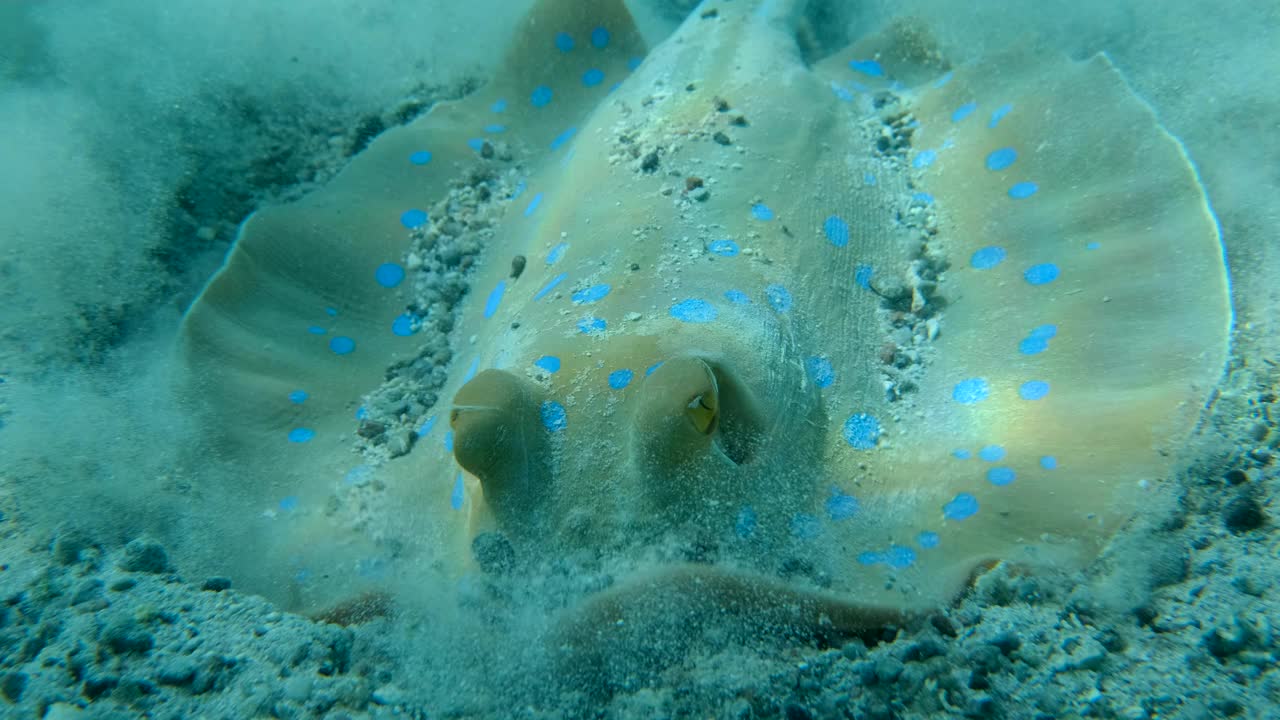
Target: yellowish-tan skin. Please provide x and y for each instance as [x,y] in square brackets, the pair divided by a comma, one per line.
[731,419]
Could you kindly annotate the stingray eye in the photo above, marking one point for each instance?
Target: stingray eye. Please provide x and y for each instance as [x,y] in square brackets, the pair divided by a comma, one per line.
[704,410]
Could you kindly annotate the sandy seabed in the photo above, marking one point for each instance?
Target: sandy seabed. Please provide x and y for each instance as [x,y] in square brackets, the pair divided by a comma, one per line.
[122,192]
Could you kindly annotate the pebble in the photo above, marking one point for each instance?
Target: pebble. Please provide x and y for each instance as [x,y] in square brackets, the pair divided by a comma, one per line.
[90,589]
[142,555]
[298,688]
[389,695]
[125,635]
[64,711]
[888,669]
[178,670]
[216,584]
[1243,514]
[1227,640]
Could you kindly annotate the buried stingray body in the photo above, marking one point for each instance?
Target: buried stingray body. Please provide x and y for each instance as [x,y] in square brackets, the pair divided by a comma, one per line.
[692,365]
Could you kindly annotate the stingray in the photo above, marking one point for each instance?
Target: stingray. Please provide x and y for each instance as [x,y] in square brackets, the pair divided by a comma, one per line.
[818,334]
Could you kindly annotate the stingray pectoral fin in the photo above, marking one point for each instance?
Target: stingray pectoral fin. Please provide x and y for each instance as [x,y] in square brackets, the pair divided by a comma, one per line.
[308,311]
[1086,326]
[499,438]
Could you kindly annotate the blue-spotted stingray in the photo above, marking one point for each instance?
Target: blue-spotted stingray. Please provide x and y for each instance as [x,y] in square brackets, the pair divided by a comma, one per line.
[819,334]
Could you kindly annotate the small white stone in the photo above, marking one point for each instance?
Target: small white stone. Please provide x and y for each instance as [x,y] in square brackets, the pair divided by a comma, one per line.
[633,316]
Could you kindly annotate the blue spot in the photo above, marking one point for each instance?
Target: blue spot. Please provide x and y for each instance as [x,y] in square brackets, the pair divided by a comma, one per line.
[459,494]
[862,431]
[744,526]
[970,391]
[778,297]
[476,144]
[841,93]
[1049,462]
[900,557]
[413,218]
[331,311]
[963,111]
[1093,246]
[987,257]
[316,330]
[563,138]
[541,96]
[362,412]
[495,299]
[992,453]
[549,286]
[600,38]
[342,345]
[925,158]
[961,454]
[725,248]
[999,114]
[533,205]
[619,379]
[289,502]
[297,397]
[1033,390]
[1023,190]
[1044,332]
[591,326]
[471,370]
[448,441]
[495,128]
[870,558]
[923,198]
[421,157]
[867,67]
[694,310]
[426,426]
[961,507]
[841,506]
[592,77]
[1033,346]
[737,297]
[591,294]
[836,230]
[653,368]
[564,42]
[389,275]
[556,253]
[1041,274]
[553,416]
[402,326]
[928,539]
[550,363]
[820,371]
[499,106]
[869,179]
[633,63]
[862,275]
[1001,159]
[301,435]
[944,79]
[805,526]
[760,211]
[1001,476]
